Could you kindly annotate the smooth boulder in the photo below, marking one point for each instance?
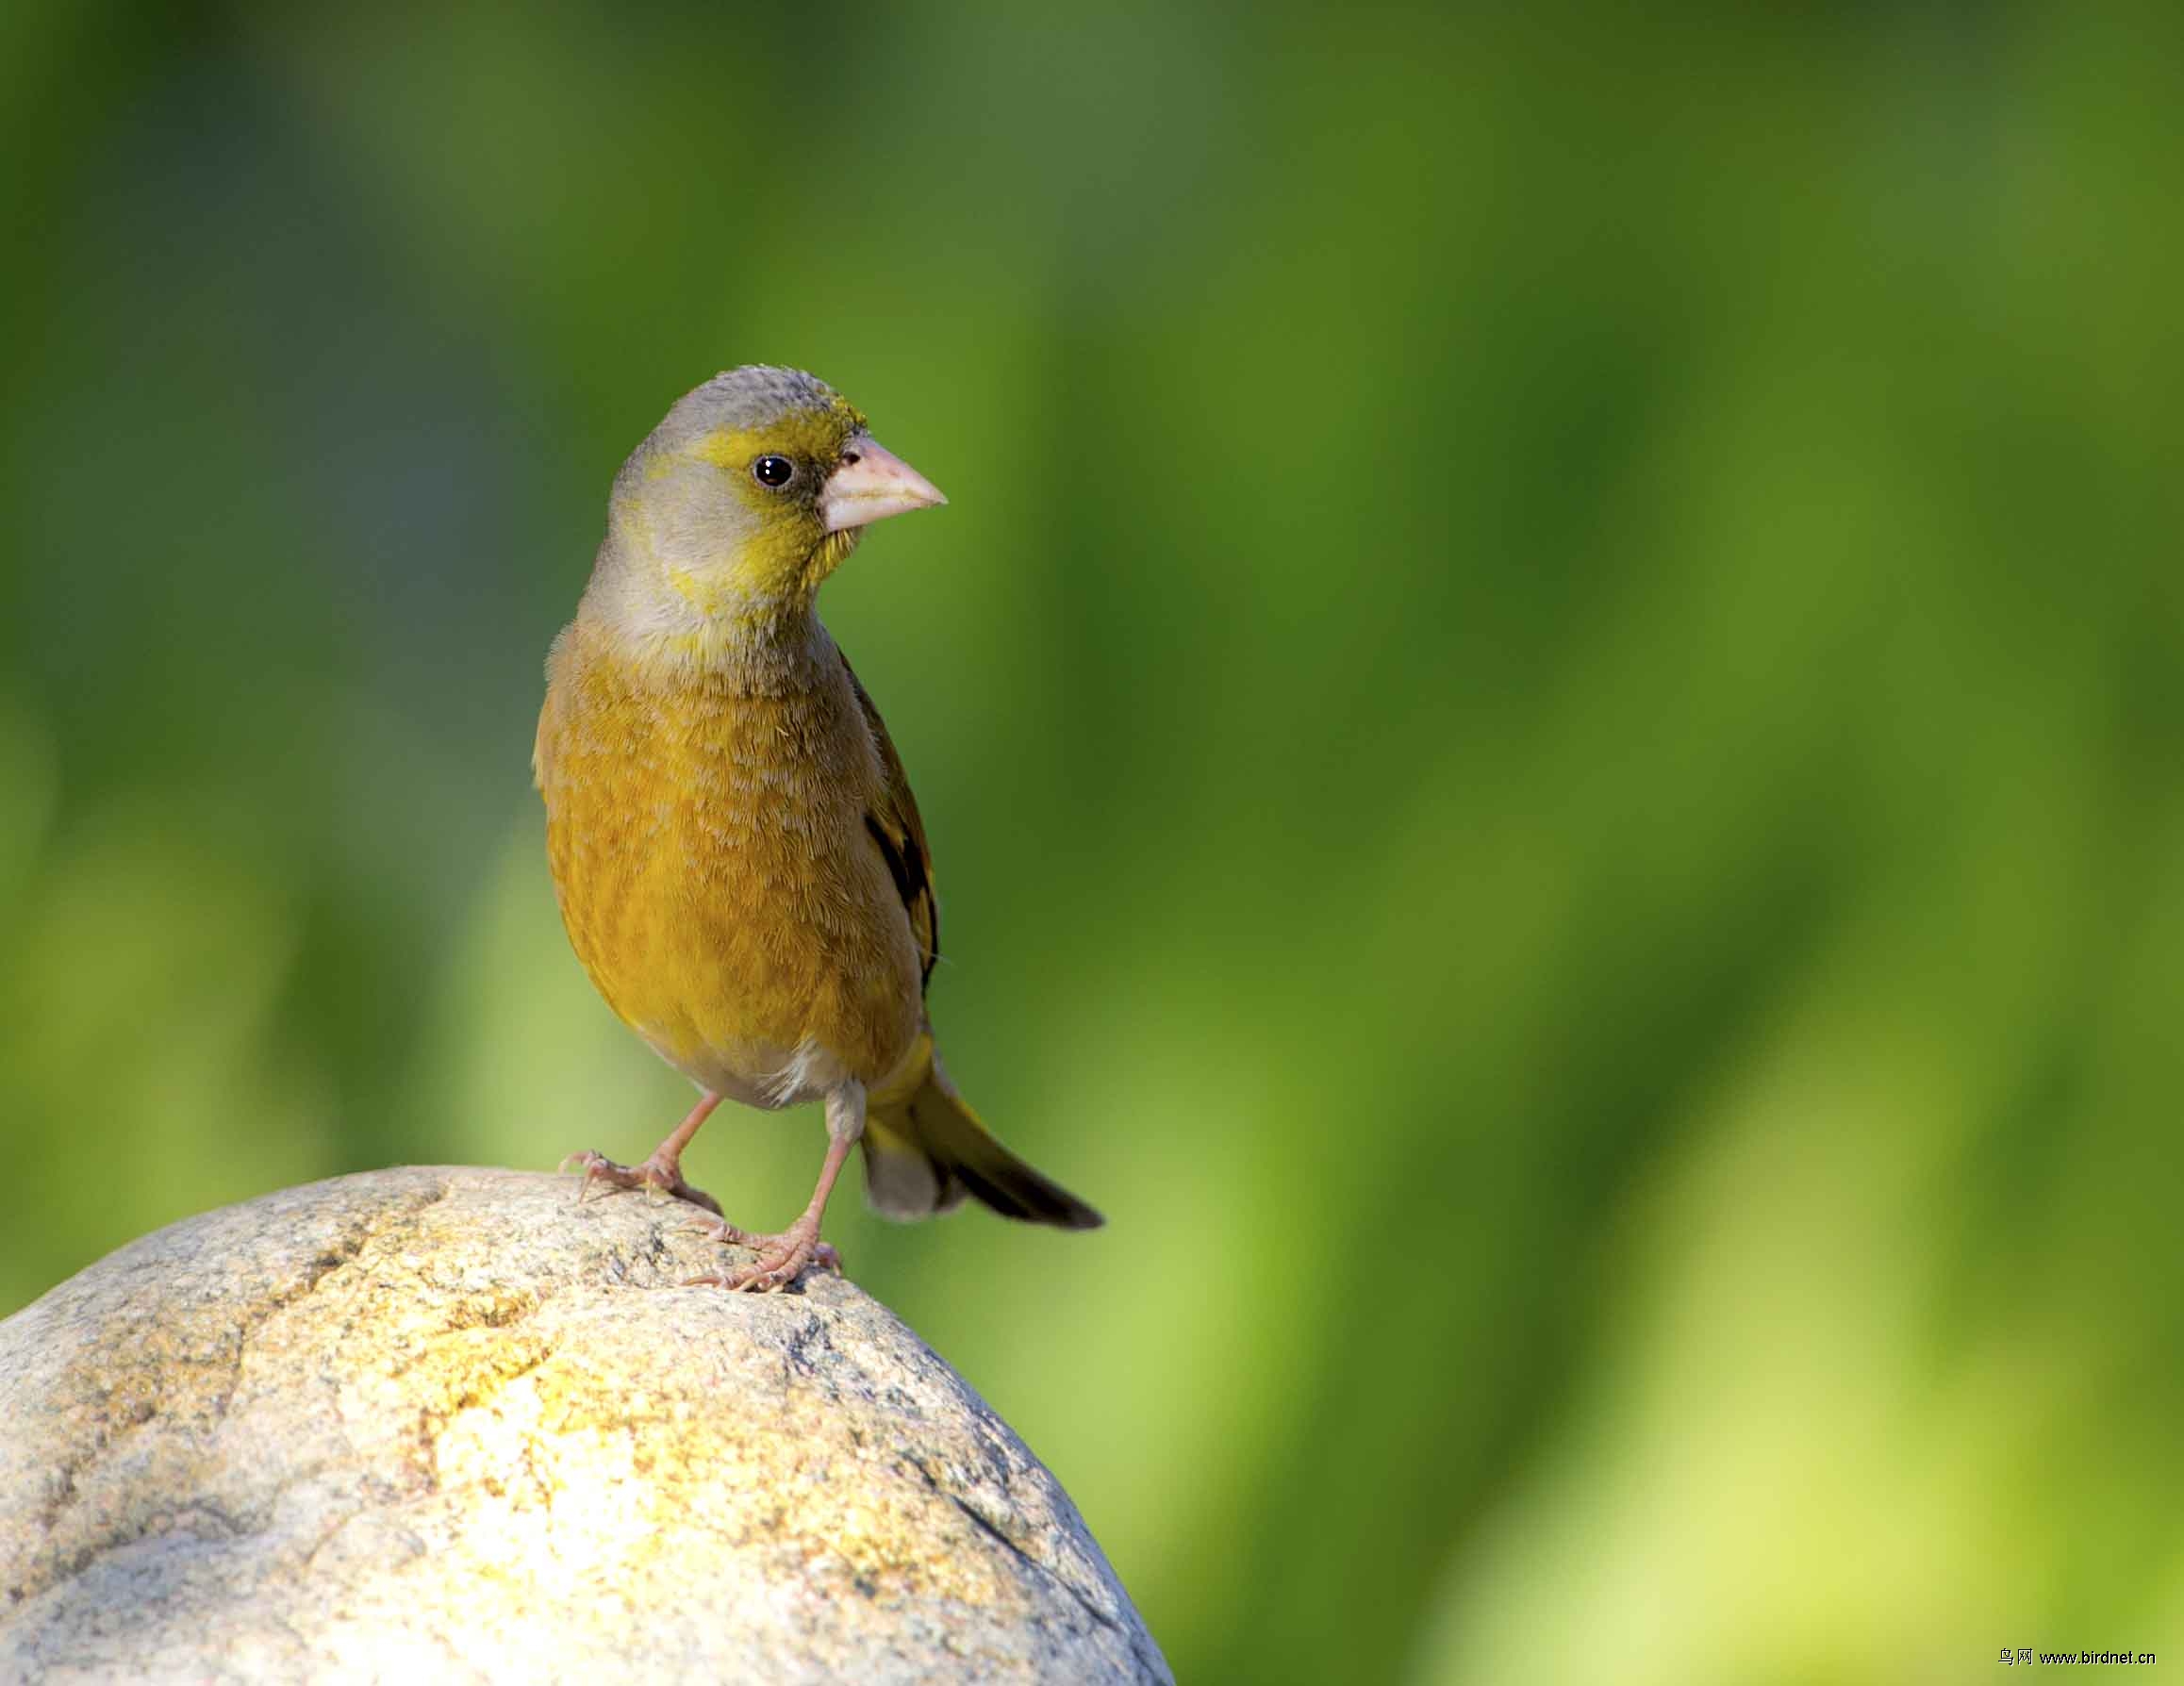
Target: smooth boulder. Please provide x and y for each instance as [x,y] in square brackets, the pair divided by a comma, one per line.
[448,1424]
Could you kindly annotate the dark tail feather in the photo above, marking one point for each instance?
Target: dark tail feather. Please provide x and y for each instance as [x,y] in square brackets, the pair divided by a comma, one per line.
[925,1150]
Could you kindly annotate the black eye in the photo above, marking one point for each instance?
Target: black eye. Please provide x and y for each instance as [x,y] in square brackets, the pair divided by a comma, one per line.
[776,472]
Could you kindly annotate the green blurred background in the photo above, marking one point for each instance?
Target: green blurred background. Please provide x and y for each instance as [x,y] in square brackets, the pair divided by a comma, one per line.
[1549,703]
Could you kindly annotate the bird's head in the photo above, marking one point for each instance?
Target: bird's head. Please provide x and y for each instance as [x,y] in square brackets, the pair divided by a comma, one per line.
[746,496]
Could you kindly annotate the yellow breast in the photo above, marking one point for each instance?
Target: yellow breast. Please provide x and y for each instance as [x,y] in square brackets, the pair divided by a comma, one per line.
[716,875]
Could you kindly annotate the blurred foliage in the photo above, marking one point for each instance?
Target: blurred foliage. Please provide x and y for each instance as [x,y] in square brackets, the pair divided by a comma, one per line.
[1550,707]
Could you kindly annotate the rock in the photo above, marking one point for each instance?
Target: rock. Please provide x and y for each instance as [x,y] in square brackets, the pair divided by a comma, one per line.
[443,1424]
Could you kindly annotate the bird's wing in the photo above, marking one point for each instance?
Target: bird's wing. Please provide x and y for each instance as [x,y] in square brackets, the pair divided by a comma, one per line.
[893,821]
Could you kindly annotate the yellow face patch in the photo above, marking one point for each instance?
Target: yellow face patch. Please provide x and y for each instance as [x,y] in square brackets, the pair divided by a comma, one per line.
[811,439]
[791,550]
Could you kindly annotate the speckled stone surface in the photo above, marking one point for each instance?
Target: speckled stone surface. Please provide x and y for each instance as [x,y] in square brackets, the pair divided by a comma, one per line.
[448,1425]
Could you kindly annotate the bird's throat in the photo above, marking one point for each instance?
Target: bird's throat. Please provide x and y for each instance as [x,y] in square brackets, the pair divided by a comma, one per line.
[833,550]
[773,651]
[672,625]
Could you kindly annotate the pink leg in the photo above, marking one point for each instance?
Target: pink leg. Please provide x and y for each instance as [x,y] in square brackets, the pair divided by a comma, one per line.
[782,1258]
[664,1169]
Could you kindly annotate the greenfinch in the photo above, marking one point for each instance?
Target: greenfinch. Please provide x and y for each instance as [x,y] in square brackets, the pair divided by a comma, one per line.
[740,864]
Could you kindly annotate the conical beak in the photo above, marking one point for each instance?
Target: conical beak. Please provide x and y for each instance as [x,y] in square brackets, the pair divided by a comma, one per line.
[873,483]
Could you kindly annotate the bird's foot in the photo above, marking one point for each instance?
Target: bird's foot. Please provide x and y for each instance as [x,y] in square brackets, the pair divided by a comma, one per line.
[662,1171]
[782,1258]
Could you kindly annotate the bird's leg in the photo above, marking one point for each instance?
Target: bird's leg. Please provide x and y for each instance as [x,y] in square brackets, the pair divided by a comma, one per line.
[664,1169]
[783,1257]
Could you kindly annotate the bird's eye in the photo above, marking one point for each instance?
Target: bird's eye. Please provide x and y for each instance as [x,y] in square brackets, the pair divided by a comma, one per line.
[776,472]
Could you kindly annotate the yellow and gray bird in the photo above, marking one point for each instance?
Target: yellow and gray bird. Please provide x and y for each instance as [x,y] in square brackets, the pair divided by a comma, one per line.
[738,859]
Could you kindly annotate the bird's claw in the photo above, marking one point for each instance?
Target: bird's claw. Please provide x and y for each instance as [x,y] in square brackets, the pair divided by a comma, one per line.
[592,1163]
[780,1260]
[661,1175]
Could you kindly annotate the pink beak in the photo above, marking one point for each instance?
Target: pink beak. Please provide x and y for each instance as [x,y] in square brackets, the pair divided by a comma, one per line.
[873,483]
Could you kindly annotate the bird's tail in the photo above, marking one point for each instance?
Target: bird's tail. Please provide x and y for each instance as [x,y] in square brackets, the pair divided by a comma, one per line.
[925,1150]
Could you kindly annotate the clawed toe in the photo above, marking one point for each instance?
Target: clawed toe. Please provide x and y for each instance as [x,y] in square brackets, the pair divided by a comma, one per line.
[595,1166]
[780,1260]
[715,1227]
[767,1276]
[665,1175]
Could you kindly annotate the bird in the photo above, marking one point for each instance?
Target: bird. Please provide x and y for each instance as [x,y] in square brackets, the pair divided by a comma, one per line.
[740,862]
